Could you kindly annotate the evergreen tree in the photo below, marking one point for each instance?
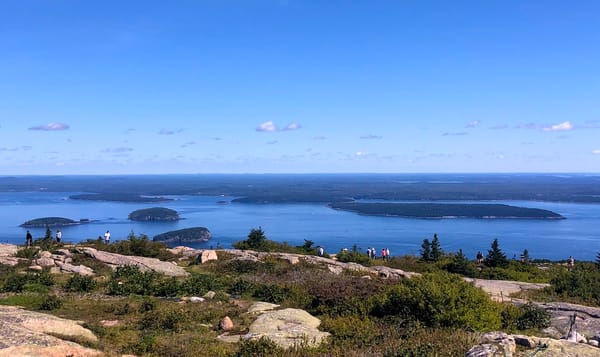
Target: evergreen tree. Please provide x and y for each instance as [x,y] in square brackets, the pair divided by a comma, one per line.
[436,249]
[525,256]
[495,257]
[461,265]
[48,234]
[426,250]
[598,260]
[256,241]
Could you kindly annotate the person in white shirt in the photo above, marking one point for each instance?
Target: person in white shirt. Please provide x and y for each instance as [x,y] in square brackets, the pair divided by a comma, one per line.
[107,237]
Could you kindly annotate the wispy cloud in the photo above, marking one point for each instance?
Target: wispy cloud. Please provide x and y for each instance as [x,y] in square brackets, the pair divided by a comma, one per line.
[371,137]
[164,131]
[461,133]
[118,150]
[272,142]
[499,127]
[22,148]
[292,126]
[473,124]
[596,152]
[51,127]
[565,126]
[526,126]
[189,143]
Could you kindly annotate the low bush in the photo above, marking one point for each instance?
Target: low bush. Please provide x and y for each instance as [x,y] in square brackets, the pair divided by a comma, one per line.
[81,284]
[50,302]
[262,347]
[441,300]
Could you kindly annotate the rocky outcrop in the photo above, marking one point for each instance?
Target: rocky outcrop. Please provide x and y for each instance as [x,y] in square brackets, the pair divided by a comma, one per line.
[500,344]
[287,328]
[587,320]
[333,265]
[500,290]
[27,333]
[7,254]
[143,263]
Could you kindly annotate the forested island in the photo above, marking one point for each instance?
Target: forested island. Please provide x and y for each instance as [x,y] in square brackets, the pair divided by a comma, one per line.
[186,235]
[446,210]
[119,197]
[154,214]
[50,222]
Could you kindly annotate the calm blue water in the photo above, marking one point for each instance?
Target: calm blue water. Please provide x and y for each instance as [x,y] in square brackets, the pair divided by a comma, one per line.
[578,235]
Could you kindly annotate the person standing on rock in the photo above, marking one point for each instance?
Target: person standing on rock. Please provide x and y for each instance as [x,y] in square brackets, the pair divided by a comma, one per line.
[107,237]
[320,251]
[28,239]
[58,236]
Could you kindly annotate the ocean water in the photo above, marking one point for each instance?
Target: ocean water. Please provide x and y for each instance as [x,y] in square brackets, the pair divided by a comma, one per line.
[578,235]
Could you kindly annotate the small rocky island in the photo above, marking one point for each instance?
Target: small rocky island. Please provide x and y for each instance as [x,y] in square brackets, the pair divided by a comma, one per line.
[160,214]
[446,210]
[186,235]
[50,222]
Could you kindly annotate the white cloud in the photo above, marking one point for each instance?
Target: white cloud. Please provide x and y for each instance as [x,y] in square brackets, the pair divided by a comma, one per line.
[361,154]
[371,137]
[596,152]
[560,127]
[50,127]
[473,124]
[267,126]
[292,126]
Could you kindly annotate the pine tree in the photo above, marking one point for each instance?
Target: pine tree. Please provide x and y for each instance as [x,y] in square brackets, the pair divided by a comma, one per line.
[461,265]
[436,249]
[525,256]
[598,260]
[426,250]
[495,257]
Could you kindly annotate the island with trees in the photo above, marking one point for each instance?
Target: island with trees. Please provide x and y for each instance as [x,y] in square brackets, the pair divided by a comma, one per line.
[186,235]
[160,214]
[50,222]
[446,210]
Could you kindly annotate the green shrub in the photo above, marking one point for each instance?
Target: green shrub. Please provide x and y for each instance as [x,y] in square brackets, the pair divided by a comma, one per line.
[27,253]
[50,302]
[353,256]
[129,279]
[262,347]
[351,330]
[80,283]
[242,287]
[164,319]
[441,300]
[533,317]
[14,283]
[200,284]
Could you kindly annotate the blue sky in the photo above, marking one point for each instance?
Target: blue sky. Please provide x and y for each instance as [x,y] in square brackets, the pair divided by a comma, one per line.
[262,86]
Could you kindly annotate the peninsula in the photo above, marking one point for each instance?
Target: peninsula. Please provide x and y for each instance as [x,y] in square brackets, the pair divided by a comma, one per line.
[446,210]
[119,197]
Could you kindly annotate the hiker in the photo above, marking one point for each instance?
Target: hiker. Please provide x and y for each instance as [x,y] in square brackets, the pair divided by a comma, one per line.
[479,257]
[28,239]
[320,251]
[107,237]
[382,253]
[387,253]
[58,235]
[570,263]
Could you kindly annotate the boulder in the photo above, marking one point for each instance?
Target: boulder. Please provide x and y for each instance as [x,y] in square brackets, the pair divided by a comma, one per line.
[12,261]
[531,346]
[8,250]
[209,295]
[45,262]
[28,333]
[261,306]
[287,328]
[207,255]
[226,324]
[35,268]
[63,252]
[196,299]
[143,263]
[505,342]
[184,251]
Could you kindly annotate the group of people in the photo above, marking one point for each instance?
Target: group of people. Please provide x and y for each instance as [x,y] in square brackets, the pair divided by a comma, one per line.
[29,237]
[385,253]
